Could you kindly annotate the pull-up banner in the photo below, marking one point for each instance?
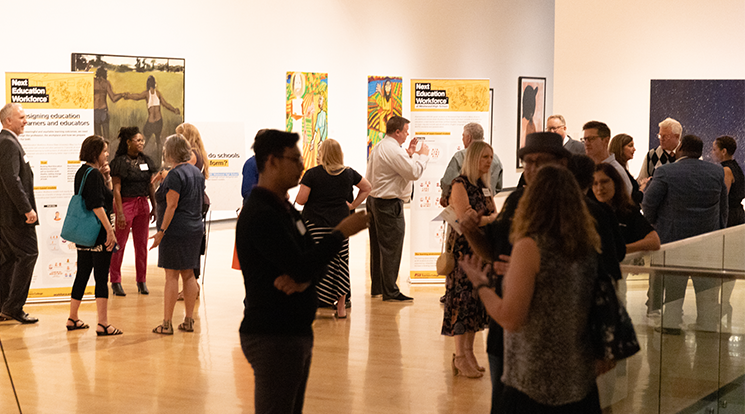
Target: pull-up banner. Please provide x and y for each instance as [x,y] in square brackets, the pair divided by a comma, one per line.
[59,111]
[439,110]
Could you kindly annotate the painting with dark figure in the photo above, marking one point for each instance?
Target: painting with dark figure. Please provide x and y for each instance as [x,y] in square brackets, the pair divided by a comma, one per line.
[531,109]
[130,91]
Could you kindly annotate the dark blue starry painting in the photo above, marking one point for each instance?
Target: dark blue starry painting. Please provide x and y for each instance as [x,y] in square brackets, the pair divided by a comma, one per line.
[705,108]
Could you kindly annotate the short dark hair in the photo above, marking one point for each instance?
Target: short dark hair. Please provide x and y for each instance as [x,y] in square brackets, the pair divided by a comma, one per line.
[692,146]
[395,124]
[583,170]
[272,142]
[728,143]
[150,83]
[603,130]
[92,147]
[125,134]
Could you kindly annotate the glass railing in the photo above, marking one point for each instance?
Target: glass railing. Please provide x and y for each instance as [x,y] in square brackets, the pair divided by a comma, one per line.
[687,301]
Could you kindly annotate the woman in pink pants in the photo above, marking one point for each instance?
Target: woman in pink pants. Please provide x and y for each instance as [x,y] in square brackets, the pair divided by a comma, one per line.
[131,173]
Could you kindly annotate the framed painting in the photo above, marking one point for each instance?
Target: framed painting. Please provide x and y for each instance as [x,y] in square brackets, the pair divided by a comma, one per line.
[531,109]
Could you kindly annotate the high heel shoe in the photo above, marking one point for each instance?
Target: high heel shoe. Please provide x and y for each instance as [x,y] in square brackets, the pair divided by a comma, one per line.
[473,361]
[462,367]
[116,288]
[142,288]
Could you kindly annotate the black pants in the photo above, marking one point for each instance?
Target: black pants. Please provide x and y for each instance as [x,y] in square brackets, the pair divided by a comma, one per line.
[496,368]
[281,366]
[98,262]
[516,402]
[19,252]
[386,228]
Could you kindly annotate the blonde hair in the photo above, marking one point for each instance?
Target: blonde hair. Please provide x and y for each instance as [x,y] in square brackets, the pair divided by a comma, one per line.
[332,158]
[470,166]
[553,209]
[191,133]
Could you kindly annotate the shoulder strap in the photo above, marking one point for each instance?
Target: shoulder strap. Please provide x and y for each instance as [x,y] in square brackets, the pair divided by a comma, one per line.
[82,183]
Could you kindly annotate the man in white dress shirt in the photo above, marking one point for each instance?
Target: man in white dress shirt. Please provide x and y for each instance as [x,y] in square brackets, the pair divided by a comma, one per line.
[391,170]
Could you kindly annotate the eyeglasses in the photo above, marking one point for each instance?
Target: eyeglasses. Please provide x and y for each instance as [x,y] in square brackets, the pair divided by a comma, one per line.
[554,129]
[591,138]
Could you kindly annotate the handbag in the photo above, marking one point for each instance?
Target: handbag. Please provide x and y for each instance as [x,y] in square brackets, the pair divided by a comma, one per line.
[446,261]
[611,329]
[81,225]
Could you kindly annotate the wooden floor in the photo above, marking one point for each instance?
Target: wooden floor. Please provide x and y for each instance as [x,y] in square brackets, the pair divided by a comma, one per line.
[385,358]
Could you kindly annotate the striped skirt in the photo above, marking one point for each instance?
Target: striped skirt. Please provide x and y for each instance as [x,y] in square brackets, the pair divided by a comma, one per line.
[336,281]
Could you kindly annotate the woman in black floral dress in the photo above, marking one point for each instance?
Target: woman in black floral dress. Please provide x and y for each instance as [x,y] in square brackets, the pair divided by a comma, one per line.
[464,314]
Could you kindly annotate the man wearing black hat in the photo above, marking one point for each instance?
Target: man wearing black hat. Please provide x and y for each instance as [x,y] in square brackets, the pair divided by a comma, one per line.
[541,148]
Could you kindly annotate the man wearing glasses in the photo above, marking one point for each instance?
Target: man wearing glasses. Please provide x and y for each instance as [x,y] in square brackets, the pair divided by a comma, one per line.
[596,136]
[669,136]
[557,124]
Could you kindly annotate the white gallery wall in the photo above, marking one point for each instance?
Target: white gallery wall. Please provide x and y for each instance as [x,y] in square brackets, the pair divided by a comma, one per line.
[237,52]
[607,52]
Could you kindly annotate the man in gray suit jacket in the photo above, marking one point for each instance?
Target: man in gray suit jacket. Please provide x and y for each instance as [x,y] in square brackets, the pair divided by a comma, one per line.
[557,124]
[18,244]
[685,199]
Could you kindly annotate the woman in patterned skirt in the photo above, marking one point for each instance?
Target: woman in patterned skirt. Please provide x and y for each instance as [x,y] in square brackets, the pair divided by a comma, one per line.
[464,314]
[326,193]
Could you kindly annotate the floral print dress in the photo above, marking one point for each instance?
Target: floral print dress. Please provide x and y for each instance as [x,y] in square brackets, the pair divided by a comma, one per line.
[463,311]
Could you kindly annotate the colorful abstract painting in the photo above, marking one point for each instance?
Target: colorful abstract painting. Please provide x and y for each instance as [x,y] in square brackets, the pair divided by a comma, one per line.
[307,111]
[384,95]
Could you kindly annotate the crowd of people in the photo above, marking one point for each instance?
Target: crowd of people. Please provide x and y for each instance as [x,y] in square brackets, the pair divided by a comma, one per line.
[526,271]
[123,197]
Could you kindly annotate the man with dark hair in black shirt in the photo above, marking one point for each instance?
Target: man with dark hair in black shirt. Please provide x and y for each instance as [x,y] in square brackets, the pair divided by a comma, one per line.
[281,265]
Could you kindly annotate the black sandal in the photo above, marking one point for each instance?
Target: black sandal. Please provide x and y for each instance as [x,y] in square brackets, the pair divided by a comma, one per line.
[106,332]
[77,324]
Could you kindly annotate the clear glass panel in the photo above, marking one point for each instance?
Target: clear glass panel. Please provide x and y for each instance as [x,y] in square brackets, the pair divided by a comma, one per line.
[690,348]
[693,344]
[731,396]
[634,385]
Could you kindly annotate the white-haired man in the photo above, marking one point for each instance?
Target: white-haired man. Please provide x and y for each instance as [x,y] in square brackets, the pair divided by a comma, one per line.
[471,132]
[669,136]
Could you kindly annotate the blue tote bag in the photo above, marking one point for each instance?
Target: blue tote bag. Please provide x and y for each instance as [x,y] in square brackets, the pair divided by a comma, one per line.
[81,225]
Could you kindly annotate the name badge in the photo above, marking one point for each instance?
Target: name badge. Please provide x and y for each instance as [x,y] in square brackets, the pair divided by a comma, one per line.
[487,192]
[25,158]
[300,227]
[144,167]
